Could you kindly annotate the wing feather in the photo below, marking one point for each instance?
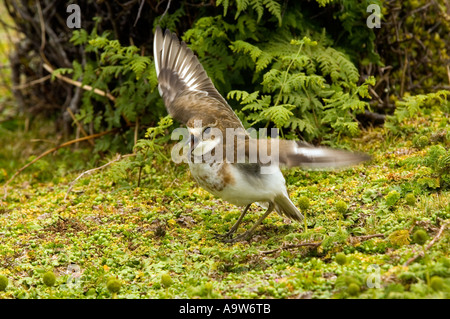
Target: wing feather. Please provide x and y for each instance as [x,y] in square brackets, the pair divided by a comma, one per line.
[297,154]
[182,78]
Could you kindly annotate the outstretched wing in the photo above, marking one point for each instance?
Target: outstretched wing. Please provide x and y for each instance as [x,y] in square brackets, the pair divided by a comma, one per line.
[296,154]
[185,87]
[188,93]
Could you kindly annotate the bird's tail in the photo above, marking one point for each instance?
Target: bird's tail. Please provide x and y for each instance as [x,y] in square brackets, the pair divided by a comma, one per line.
[284,205]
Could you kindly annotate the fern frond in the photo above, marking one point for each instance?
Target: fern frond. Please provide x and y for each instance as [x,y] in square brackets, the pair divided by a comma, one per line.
[247,48]
[138,64]
[250,98]
[278,114]
[237,95]
[323,3]
[253,107]
[258,7]
[263,60]
[411,105]
[337,65]
[61,71]
[241,6]
[272,80]
[274,8]
[79,37]
[301,125]
[225,4]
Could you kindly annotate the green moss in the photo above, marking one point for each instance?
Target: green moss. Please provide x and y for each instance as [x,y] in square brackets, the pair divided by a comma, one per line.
[392,198]
[49,278]
[422,141]
[353,289]
[113,285]
[341,259]
[437,283]
[341,207]
[303,203]
[420,236]
[410,199]
[91,292]
[3,282]
[116,235]
[399,238]
[166,280]
[208,288]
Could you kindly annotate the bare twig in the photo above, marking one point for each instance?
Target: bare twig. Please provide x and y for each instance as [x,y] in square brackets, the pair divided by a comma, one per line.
[448,73]
[139,12]
[430,244]
[51,151]
[34,140]
[402,82]
[79,125]
[79,84]
[366,237]
[289,246]
[136,130]
[167,9]
[352,239]
[376,95]
[84,87]
[116,159]
[41,22]
[31,83]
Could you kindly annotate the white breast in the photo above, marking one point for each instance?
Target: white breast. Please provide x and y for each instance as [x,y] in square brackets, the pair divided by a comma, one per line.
[243,188]
[249,189]
[208,177]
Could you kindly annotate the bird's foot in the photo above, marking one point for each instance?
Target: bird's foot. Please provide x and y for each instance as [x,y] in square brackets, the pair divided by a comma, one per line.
[227,235]
[227,238]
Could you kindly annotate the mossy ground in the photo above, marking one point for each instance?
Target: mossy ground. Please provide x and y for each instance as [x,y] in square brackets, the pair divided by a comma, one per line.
[109,227]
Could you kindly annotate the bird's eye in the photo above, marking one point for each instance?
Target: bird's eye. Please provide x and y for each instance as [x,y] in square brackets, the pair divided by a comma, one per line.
[207,130]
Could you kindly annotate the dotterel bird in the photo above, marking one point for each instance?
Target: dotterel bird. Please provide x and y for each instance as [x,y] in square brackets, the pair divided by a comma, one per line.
[234,169]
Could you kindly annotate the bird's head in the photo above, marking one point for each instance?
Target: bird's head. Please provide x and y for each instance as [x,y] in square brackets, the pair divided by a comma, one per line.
[204,136]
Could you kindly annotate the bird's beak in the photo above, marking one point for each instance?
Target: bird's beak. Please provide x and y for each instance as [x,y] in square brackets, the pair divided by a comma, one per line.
[193,142]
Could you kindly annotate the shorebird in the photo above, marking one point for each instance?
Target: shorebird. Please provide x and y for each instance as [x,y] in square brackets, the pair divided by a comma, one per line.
[235,169]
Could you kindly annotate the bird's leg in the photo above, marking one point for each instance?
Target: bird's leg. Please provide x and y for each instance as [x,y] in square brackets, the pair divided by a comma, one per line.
[235,226]
[246,235]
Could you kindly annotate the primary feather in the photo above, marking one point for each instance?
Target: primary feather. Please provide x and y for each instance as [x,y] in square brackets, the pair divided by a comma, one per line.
[185,87]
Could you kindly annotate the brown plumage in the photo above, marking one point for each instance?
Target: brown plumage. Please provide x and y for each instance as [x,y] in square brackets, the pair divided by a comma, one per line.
[187,90]
[238,175]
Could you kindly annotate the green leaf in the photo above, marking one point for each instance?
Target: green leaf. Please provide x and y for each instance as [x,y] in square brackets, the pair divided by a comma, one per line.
[278,114]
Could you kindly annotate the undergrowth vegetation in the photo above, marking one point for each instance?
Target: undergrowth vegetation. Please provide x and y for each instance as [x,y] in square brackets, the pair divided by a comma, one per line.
[284,73]
[387,220]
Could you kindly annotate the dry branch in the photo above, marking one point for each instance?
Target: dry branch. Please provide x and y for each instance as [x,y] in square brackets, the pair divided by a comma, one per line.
[51,151]
[352,239]
[116,159]
[79,125]
[432,242]
[77,83]
[289,246]
[31,83]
